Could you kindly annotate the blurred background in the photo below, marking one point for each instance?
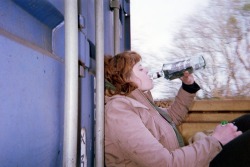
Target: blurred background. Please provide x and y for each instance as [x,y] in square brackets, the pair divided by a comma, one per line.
[164,30]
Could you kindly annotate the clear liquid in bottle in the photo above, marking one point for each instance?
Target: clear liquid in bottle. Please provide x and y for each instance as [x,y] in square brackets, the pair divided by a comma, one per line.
[176,69]
[157,74]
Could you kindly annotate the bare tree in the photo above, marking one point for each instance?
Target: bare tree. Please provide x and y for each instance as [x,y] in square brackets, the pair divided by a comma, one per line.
[221,34]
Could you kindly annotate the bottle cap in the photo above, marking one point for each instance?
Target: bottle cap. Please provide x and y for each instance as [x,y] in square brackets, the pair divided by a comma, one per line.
[224,122]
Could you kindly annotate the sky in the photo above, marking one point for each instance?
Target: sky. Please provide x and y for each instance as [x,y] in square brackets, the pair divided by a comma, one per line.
[153,24]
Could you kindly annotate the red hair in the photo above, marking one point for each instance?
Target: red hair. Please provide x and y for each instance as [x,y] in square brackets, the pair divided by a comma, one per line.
[118,70]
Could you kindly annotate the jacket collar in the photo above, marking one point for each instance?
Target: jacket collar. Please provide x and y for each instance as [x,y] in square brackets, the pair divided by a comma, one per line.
[132,98]
[143,98]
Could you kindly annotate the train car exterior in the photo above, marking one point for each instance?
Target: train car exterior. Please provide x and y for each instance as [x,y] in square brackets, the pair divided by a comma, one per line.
[32,84]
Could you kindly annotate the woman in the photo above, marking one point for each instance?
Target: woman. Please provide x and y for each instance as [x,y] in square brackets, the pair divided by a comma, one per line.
[137,133]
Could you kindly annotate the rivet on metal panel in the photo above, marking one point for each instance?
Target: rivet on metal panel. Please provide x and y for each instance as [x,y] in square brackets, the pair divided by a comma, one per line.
[81,22]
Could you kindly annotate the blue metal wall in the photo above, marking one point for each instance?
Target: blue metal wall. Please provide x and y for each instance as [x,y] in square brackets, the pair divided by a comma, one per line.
[32,78]
[31,84]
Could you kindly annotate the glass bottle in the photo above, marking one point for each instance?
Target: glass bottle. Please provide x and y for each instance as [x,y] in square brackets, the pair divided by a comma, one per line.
[175,69]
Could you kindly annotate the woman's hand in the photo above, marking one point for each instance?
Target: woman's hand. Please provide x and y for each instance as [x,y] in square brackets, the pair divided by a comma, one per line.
[226,133]
[187,78]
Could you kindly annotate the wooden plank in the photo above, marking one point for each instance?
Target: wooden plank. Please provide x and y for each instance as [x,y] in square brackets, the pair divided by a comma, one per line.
[206,114]
[189,129]
[214,105]
[211,117]
[220,105]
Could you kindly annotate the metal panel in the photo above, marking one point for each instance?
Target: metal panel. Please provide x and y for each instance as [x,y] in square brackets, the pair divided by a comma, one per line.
[32,79]
[42,10]
[108,29]
[30,20]
[31,96]
[30,106]
[86,84]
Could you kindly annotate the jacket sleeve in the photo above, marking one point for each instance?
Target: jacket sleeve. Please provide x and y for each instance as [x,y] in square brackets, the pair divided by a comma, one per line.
[179,108]
[127,130]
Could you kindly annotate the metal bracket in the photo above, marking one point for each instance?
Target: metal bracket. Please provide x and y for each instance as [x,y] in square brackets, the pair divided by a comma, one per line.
[114,4]
[81,22]
[82,67]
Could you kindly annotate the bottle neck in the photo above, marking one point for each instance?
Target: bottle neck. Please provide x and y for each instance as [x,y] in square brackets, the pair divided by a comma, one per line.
[157,75]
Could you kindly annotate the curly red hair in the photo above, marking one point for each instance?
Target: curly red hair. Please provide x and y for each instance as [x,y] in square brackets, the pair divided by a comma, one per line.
[118,70]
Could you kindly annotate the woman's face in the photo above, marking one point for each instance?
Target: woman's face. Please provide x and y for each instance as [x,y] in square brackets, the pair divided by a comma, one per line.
[141,78]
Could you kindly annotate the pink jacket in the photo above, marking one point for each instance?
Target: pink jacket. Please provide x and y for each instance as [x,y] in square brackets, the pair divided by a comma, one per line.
[137,136]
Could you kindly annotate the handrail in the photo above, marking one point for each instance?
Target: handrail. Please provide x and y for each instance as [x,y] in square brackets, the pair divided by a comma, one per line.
[71,84]
[99,128]
[115,5]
